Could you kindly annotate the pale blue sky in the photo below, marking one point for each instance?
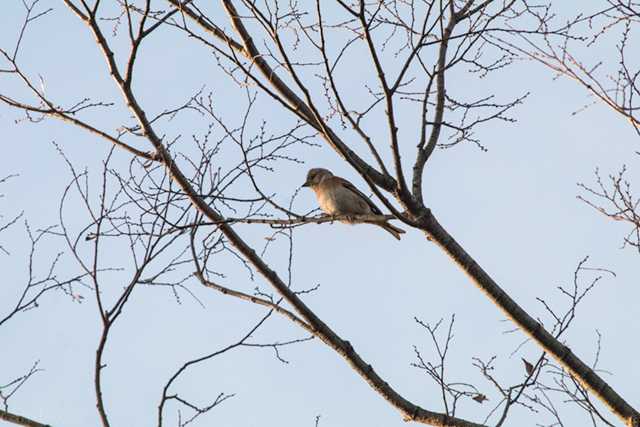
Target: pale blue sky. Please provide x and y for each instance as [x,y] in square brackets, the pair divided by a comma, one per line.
[513,208]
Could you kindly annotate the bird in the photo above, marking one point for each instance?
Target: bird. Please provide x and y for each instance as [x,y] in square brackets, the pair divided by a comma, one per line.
[527,366]
[337,196]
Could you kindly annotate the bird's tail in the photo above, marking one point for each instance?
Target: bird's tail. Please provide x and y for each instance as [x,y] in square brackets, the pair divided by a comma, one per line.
[395,231]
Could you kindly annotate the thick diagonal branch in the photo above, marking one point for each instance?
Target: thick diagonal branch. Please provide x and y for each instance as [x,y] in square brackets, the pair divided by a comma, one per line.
[20,420]
[250,51]
[563,354]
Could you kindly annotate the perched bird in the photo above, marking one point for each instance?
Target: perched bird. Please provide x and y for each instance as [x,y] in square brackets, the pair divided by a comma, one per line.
[527,366]
[337,196]
[480,398]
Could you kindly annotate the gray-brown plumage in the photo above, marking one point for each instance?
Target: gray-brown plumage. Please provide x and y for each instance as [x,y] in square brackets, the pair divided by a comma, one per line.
[337,196]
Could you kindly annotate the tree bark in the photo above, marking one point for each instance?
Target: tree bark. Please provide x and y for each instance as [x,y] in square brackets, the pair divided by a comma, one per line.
[20,420]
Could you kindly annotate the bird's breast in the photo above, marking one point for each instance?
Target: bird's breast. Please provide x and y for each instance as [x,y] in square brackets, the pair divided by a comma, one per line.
[337,200]
[327,201]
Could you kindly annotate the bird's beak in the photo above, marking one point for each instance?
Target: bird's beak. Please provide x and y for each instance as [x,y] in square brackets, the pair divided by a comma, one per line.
[306,184]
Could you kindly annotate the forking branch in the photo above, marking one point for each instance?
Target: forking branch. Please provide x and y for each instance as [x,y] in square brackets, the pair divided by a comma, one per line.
[264,57]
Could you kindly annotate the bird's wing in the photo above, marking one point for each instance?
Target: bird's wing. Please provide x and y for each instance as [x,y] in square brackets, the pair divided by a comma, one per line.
[349,186]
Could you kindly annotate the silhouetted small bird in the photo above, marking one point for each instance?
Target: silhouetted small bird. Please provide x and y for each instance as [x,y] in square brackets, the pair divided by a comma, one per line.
[337,196]
[527,366]
[480,398]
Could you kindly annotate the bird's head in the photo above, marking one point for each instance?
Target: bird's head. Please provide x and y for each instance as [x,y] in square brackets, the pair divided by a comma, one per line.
[315,176]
